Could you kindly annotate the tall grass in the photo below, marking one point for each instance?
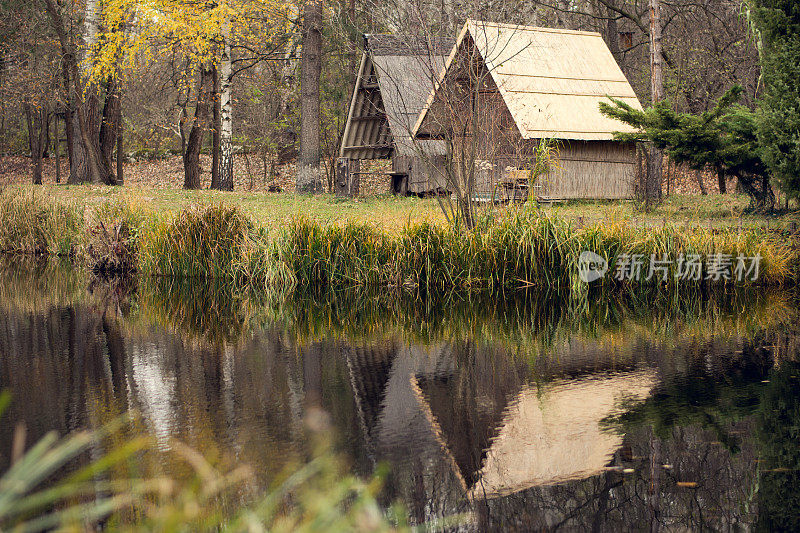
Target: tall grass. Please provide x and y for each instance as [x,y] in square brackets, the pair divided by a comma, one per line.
[522,248]
[525,249]
[33,223]
[198,242]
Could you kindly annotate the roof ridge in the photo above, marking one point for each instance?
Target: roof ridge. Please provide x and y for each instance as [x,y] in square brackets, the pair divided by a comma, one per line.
[523,27]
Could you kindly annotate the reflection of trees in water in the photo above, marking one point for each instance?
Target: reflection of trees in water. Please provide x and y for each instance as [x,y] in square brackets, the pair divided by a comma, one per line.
[425,387]
[778,432]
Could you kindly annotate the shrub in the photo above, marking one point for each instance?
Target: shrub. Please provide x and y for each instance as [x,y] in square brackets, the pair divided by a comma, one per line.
[110,243]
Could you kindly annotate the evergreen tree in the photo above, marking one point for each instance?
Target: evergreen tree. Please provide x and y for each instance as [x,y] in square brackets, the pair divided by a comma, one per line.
[777,27]
[723,138]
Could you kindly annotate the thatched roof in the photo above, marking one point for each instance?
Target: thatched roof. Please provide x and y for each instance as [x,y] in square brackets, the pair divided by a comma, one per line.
[394,80]
[384,44]
[551,80]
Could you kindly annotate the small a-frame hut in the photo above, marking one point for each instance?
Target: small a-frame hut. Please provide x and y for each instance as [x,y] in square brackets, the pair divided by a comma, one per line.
[533,84]
[394,80]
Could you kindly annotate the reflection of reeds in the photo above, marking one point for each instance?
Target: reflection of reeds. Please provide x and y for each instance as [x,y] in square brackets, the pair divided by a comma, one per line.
[527,322]
[532,323]
[36,284]
[206,308]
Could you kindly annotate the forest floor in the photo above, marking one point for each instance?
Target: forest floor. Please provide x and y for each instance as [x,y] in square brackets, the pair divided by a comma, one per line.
[156,187]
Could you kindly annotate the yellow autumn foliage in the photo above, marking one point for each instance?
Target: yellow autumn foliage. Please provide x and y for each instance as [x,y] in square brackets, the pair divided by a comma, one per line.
[136,32]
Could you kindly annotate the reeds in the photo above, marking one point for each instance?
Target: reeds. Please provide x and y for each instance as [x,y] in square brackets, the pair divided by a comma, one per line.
[521,249]
[36,224]
[524,249]
[111,241]
[198,242]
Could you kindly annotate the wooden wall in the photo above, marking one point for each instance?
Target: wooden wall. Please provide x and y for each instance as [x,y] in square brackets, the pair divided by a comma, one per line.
[585,169]
[591,169]
[423,176]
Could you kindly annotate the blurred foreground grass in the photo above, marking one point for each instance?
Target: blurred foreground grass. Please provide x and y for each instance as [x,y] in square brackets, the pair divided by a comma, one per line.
[118,490]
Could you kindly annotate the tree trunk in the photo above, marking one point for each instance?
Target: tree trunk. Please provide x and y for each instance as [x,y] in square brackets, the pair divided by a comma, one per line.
[309,178]
[561,13]
[215,132]
[90,165]
[286,140]
[38,125]
[108,125]
[191,154]
[758,188]
[86,161]
[698,175]
[119,127]
[655,156]
[723,186]
[226,116]
[57,148]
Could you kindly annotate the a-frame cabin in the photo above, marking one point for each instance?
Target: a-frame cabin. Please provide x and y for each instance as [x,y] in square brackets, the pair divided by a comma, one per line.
[394,80]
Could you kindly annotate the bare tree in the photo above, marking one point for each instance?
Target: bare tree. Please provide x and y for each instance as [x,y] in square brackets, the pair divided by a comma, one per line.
[652,192]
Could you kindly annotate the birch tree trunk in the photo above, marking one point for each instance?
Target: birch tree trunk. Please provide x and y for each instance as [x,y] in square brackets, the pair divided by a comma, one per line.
[215,132]
[309,179]
[655,156]
[226,115]
[286,139]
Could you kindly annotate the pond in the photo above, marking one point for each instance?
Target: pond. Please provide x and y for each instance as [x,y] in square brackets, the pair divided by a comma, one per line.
[526,412]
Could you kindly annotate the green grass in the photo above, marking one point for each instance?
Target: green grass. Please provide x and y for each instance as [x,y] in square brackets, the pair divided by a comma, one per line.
[391,213]
[267,209]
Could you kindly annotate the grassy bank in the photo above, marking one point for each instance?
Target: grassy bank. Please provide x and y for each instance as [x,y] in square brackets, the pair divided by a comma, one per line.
[518,248]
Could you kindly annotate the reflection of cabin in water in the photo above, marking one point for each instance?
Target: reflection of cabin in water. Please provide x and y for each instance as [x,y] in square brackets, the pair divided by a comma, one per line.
[533,84]
[394,80]
[463,423]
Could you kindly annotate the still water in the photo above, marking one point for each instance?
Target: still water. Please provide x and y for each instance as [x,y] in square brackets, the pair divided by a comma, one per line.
[528,412]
